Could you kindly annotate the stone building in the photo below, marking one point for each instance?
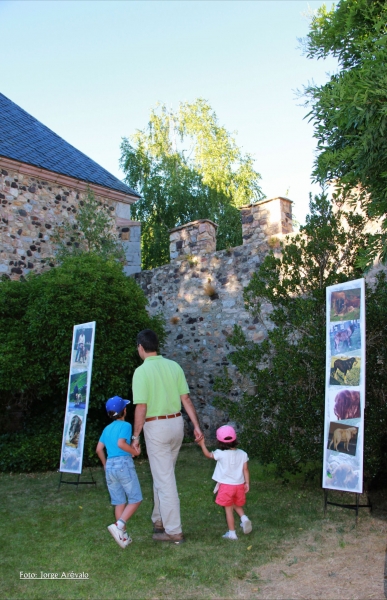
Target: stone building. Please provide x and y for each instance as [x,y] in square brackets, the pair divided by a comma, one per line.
[42,180]
[200,295]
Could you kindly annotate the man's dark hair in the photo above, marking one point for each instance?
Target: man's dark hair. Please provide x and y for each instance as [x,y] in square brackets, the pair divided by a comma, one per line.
[148,340]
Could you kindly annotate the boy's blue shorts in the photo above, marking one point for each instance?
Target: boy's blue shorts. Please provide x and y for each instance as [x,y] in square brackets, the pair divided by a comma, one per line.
[122,480]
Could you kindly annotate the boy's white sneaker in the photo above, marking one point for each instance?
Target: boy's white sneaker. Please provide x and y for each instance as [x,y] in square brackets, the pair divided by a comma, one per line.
[246,526]
[128,540]
[230,536]
[119,535]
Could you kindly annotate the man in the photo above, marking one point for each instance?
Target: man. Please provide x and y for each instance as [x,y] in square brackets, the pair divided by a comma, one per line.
[80,345]
[159,389]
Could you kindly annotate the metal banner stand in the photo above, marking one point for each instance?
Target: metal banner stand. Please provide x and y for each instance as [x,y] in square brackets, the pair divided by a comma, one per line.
[77,482]
[354,507]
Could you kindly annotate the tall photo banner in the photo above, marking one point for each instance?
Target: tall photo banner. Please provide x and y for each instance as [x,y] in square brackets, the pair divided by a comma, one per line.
[78,394]
[345,387]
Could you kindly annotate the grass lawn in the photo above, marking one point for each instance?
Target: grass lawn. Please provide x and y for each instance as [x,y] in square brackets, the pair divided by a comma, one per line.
[43,529]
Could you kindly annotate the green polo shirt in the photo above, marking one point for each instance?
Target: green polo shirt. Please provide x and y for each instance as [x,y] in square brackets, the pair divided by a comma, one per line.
[159,383]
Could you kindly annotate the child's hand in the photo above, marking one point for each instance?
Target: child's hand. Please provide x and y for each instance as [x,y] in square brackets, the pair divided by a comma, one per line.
[247,488]
[200,441]
[137,446]
[137,450]
[198,434]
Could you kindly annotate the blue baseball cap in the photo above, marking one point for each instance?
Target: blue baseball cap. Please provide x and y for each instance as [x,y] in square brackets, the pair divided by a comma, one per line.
[116,404]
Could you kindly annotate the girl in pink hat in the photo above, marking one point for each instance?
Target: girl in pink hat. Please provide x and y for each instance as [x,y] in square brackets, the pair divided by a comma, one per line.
[232,477]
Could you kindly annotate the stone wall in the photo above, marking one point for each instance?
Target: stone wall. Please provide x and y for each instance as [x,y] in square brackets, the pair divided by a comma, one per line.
[201,301]
[266,219]
[30,210]
[193,239]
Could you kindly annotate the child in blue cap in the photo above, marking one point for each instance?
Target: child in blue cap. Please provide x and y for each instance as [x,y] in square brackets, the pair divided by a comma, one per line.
[121,477]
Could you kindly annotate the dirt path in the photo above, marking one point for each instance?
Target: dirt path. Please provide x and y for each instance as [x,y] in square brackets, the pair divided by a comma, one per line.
[345,563]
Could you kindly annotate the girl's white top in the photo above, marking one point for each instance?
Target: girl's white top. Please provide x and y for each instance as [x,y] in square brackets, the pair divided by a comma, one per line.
[229,466]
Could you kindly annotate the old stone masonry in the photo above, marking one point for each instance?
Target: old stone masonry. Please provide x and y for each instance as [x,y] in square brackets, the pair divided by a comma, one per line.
[43,180]
[200,294]
[30,211]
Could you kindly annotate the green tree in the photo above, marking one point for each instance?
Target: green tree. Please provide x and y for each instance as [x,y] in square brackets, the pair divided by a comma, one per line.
[187,167]
[93,232]
[283,420]
[36,327]
[349,112]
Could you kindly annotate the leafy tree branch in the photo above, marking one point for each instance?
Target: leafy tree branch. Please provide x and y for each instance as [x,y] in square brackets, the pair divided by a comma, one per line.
[349,112]
[187,167]
[93,231]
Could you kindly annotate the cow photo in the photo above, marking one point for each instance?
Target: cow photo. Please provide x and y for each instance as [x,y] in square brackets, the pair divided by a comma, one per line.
[346,405]
[71,460]
[345,370]
[342,472]
[345,338]
[345,305]
[74,430]
[342,438]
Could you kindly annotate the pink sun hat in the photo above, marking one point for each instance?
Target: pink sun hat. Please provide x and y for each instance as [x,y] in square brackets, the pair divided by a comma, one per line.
[226,434]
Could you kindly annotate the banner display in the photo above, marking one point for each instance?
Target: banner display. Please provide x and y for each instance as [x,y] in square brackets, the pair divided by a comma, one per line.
[78,394]
[345,387]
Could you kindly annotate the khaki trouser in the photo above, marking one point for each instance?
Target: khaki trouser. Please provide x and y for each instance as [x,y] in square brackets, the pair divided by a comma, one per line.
[163,440]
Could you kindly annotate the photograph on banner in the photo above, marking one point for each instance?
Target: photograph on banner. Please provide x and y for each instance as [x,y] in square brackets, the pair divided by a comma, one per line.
[342,472]
[83,340]
[72,445]
[345,304]
[78,393]
[343,438]
[77,390]
[345,370]
[344,405]
[73,428]
[345,337]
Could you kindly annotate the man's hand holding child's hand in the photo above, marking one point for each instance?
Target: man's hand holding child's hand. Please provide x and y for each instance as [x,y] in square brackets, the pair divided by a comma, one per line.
[137,448]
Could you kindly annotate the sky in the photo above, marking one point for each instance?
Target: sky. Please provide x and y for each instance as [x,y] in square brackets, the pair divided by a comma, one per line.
[92,70]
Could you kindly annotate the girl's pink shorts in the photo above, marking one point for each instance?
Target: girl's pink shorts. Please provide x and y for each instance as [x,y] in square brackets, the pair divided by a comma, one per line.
[231,494]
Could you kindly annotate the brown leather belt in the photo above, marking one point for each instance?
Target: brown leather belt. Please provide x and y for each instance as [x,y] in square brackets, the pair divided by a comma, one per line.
[163,417]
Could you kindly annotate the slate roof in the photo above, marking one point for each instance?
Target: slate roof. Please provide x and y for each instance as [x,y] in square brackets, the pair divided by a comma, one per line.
[25,139]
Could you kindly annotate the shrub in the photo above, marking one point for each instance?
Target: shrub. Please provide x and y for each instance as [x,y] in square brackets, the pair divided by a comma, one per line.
[209,289]
[375,416]
[40,450]
[36,325]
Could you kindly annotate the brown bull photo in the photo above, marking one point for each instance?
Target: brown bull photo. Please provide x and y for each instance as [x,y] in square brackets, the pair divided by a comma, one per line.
[345,305]
[347,405]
